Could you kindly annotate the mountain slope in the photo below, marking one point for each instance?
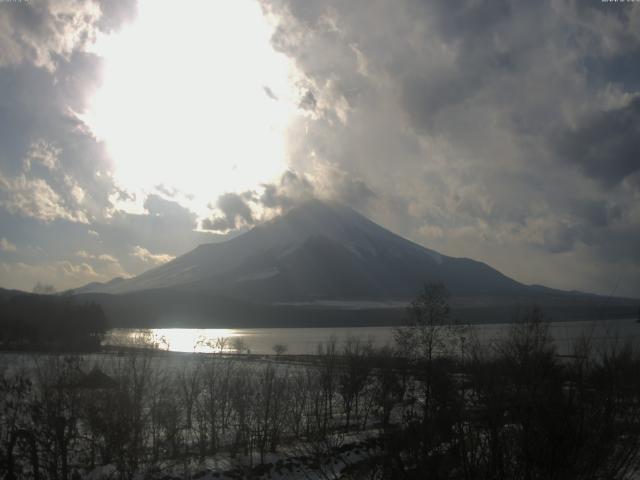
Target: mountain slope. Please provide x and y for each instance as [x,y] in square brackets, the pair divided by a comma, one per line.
[317,251]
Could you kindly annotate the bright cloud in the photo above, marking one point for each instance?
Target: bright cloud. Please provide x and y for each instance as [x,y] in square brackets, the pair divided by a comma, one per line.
[35,198]
[148,257]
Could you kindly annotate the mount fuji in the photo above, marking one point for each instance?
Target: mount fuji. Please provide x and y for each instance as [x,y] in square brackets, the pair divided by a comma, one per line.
[318,251]
[321,264]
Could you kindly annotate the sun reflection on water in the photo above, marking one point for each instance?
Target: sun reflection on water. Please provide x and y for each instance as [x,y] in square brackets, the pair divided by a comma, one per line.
[218,340]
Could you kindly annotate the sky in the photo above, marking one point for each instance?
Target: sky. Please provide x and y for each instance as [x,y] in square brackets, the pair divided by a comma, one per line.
[504,131]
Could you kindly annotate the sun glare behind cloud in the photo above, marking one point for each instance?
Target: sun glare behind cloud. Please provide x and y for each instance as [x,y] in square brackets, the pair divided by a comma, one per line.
[194,98]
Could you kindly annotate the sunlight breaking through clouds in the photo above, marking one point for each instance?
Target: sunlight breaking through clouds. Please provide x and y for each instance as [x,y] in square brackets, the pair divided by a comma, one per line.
[194,98]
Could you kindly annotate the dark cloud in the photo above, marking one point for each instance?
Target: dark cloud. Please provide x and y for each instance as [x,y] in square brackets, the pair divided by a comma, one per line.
[169,210]
[607,144]
[348,189]
[477,128]
[289,191]
[216,224]
[308,101]
[597,214]
[235,212]
[165,228]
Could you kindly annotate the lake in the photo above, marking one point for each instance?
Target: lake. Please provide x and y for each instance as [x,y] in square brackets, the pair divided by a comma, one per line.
[306,340]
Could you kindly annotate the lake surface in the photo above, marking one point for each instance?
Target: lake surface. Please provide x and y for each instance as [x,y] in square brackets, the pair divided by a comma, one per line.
[306,340]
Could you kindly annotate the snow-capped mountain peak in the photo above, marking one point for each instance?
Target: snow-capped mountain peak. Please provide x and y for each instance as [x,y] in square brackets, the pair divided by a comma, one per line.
[317,250]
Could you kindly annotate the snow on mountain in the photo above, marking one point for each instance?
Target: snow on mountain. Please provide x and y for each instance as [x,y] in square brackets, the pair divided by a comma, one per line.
[318,250]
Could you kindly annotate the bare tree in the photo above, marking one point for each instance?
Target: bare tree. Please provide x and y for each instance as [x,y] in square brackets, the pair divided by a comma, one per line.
[56,412]
[353,374]
[279,349]
[239,345]
[426,330]
[270,407]
[189,381]
[16,432]
[328,363]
